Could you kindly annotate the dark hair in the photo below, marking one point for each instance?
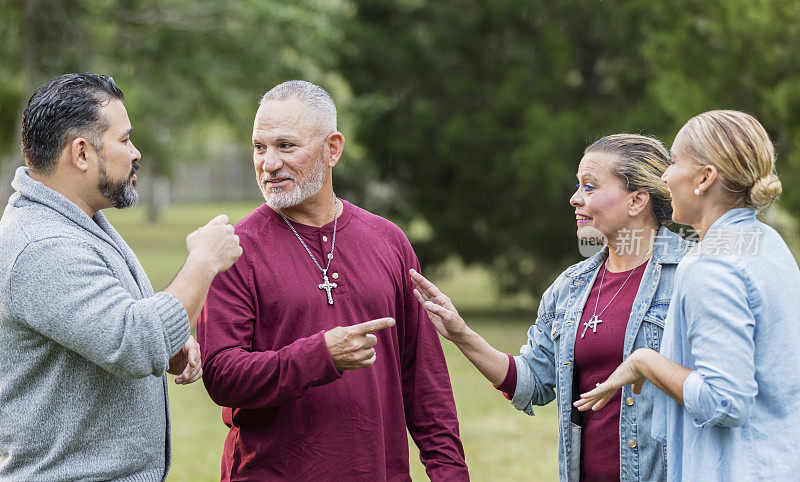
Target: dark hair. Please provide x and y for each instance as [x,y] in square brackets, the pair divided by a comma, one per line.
[61,110]
[641,161]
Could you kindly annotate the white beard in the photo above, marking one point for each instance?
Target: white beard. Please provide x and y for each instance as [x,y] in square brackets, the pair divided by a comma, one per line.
[277,198]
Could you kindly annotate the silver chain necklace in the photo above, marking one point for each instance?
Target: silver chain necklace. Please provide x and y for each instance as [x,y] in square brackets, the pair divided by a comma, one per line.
[325,285]
[595,319]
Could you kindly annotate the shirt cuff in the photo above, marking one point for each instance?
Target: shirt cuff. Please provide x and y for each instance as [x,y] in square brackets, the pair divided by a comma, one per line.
[509,385]
[700,402]
[174,319]
[329,371]
[526,382]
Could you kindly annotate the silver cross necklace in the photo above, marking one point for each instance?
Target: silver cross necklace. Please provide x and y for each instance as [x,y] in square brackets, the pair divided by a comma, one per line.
[325,285]
[595,319]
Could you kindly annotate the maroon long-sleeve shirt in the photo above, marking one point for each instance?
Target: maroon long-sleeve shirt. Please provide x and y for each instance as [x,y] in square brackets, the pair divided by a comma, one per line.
[292,414]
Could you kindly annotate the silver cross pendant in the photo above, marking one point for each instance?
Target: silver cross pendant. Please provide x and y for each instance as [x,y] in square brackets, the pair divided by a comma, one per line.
[327,286]
[592,323]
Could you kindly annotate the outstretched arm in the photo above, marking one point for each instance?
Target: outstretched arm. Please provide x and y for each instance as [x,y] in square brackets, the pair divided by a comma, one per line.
[643,364]
[212,249]
[493,364]
[721,389]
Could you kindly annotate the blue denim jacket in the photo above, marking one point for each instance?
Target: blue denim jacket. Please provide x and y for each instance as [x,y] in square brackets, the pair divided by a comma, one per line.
[544,368]
[734,320]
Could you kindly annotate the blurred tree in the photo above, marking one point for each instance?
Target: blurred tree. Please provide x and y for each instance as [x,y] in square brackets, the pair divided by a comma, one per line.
[484,108]
[733,54]
[33,33]
[473,113]
[192,70]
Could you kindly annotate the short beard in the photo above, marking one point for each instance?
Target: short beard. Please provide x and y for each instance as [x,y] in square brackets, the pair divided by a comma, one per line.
[276,198]
[121,194]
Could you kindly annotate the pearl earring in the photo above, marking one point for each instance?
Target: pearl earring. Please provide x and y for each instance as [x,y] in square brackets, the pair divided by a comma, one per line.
[697,191]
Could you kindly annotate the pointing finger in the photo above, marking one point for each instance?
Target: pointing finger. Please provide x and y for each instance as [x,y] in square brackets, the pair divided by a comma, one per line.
[372,325]
[432,307]
[421,297]
[422,282]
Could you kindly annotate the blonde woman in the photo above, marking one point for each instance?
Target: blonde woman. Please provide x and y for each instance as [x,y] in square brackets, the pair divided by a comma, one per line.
[593,316]
[730,356]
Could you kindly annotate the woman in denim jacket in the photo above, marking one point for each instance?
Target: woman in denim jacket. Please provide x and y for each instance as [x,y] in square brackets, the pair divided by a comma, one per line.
[729,361]
[593,316]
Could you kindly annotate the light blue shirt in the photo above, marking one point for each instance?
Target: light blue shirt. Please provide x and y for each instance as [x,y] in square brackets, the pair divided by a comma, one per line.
[734,319]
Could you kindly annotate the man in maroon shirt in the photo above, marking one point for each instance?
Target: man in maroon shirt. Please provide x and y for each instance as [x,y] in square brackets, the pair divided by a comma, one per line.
[313,342]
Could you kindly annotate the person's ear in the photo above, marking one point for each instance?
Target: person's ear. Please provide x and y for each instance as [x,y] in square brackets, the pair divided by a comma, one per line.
[335,146]
[638,202]
[80,151]
[707,177]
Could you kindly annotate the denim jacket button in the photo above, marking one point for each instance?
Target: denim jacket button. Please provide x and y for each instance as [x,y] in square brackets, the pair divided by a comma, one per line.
[632,444]
[629,401]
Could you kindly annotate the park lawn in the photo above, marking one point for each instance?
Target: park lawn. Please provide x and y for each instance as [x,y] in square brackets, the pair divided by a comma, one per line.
[500,442]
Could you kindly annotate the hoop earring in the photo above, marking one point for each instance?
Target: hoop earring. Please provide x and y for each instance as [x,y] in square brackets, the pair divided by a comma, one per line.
[697,191]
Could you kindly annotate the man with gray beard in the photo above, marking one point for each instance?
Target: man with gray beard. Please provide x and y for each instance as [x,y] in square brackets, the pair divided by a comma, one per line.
[84,342]
[313,342]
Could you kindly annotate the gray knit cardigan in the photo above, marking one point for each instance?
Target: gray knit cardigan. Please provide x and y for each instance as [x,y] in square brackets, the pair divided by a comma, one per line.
[84,346]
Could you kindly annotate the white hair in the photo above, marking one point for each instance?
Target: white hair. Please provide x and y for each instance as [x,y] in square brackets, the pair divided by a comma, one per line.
[318,100]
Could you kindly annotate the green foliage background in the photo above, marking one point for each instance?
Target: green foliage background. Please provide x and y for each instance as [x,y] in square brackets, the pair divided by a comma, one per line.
[479,111]
[466,117]
[465,121]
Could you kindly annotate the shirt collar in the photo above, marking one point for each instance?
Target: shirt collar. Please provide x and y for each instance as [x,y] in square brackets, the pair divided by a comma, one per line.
[344,218]
[669,248]
[733,216]
[37,192]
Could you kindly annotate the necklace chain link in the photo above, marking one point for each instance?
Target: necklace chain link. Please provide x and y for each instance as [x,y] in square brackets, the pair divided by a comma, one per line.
[595,319]
[333,244]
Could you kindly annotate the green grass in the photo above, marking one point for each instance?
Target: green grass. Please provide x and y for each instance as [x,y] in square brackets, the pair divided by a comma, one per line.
[500,442]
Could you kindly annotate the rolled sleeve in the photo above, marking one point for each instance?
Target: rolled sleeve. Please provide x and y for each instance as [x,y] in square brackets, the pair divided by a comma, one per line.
[536,371]
[701,402]
[526,384]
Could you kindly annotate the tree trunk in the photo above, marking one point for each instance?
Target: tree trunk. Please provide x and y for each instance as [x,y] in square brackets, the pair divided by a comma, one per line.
[158,198]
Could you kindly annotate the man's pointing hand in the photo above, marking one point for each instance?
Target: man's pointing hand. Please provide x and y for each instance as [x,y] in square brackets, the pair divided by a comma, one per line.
[351,347]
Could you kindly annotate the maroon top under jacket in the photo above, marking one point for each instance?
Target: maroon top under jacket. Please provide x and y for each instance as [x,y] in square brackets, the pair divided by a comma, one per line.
[597,355]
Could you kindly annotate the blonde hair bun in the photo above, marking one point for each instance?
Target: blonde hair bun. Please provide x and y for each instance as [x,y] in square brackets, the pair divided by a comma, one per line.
[764,192]
[739,147]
